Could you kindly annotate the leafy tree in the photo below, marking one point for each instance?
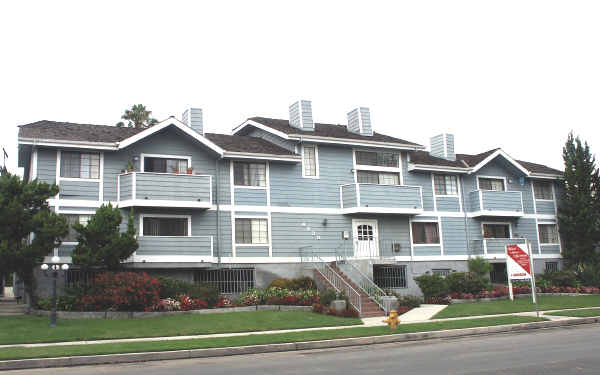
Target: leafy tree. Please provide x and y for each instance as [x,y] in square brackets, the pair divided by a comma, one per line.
[579,212]
[138,117]
[30,230]
[101,243]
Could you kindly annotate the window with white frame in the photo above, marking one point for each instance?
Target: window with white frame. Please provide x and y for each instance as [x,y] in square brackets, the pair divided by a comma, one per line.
[80,164]
[494,184]
[496,230]
[425,233]
[445,184]
[71,220]
[166,226]
[249,174]
[542,190]
[548,234]
[377,159]
[165,165]
[309,161]
[381,178]
[251,231]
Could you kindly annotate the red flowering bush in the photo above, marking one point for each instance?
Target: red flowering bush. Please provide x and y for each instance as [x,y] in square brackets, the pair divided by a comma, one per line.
[122,291]
[224,302]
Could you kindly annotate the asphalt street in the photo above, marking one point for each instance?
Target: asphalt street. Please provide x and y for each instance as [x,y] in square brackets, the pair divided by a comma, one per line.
[561,351]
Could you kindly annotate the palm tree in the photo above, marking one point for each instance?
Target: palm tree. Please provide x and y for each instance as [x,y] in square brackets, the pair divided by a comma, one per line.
[137,117]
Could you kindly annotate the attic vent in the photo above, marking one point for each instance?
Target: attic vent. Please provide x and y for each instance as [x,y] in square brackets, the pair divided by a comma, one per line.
[442,146]
[192,117]
[301,115]
[359,121]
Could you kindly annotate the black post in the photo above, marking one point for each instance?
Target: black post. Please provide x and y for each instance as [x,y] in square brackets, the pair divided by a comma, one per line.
[53,312]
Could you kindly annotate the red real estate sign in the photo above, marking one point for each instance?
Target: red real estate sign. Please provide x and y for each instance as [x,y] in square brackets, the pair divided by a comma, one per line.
[517,262]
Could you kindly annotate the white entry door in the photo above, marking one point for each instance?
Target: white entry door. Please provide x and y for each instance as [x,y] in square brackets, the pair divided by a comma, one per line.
[365,239]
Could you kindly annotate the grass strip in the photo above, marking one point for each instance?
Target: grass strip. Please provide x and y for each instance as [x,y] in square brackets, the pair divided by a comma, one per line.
[34,329]
[588,313]
[157,346]
[518,305]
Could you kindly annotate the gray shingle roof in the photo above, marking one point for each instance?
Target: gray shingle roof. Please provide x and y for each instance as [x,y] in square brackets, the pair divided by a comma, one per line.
[68,131]
[468,161]
[328,130]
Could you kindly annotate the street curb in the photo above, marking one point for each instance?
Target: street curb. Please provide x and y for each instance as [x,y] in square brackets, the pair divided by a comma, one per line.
[286,347]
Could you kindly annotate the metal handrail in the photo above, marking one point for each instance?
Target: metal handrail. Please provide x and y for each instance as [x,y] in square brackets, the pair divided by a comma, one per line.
[363,282]
[333,278]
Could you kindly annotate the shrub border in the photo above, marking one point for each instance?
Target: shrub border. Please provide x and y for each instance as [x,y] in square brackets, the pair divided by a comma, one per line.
[490,299]
[156,314]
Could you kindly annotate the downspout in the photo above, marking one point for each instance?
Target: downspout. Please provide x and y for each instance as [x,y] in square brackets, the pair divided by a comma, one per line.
[217,189]
[462,190]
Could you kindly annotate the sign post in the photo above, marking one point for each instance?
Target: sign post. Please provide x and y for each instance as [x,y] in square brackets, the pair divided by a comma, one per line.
[519,266]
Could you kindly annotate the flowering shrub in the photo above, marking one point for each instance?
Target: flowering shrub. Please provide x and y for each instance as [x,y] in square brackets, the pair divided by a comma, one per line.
[123,291]
[279,296]
[224,302]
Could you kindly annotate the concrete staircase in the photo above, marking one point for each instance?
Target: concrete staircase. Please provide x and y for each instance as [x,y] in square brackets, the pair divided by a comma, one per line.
[369,307]
[10,307]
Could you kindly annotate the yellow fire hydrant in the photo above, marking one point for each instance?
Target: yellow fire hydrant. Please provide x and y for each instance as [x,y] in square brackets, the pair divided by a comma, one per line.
[392,319]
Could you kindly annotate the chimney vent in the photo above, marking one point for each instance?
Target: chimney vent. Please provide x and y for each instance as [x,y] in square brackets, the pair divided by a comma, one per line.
[192,117]
[359,121]
[442,146]
[301,115]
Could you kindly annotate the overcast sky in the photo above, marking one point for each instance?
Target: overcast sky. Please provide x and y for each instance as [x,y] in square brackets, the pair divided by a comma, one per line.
[512,74]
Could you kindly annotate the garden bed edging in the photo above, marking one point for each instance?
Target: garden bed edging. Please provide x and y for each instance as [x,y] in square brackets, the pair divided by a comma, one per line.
[156,314]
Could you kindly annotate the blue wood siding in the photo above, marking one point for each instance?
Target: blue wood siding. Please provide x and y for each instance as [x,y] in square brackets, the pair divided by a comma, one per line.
[251,251]
[545,207]
[392,230]
[526,228]
[175,187]
[448,204]
[433,250]
[80,190]
[288,234]
[288,188]
[550,249]
[349,196]
[126,186]
[419,179]
[501,201]
[473,202]
[250,197]
[259,133]
[454,236]
[174,246]
[46,165]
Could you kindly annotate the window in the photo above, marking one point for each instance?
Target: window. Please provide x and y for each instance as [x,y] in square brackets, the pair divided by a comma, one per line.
[227,280]
[309,161]
[79,165]
[165,165]
[251,231]
[496,230]
[443,272]
[389,277]
[249,174]
[548,233]
[445,185]
[378,159]
[542,190]
[496,184]
[425,233]
[75,219]
[551,266]
[166,226]
[370,177]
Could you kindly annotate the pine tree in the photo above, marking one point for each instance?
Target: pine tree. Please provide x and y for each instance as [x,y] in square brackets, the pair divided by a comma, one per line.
[30,230]
[579,212]
[101,243]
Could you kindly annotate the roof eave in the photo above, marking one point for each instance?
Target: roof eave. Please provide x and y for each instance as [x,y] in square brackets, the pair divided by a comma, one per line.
[549,176]
[66,143]
[356,142]
[437,168]
[261,156]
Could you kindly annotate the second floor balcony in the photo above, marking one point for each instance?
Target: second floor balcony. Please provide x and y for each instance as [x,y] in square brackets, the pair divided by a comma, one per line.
[376,198]
[150,189]
[496,203]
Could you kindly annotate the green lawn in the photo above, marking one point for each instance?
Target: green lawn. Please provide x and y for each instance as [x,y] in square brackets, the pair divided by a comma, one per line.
[157,346]
[30,329]
[577,313]
[518,305]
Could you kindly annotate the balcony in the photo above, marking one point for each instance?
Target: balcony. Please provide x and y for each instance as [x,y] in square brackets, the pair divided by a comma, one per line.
[150,189]
[171,249]
[385,199]
[494,246]
[496,203]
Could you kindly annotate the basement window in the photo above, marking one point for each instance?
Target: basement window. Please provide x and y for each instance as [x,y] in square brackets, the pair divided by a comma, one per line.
[389,276]
[227,280]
